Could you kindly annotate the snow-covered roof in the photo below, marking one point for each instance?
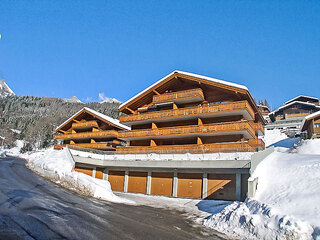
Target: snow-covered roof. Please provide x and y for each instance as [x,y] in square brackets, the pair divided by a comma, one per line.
[310,116]
[292,103]
[300,97]
[188,74]
[107,118]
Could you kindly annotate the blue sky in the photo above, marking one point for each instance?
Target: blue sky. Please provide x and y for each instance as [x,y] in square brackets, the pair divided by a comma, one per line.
[83,48]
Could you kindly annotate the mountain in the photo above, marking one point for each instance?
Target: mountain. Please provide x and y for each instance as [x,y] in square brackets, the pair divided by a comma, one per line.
[5,90]
[110,100]
[74,99]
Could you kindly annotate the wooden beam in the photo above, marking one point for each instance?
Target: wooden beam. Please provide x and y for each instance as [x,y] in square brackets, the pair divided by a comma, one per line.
[76,120]
[152,143]
[130,110]
[199,140]
[93,141]
[156,92]
[175,106]
[200,123]
[154,126]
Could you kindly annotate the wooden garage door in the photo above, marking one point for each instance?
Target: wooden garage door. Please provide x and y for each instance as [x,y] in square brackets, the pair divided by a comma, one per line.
[84,170]
[221,186]
[190,185]
[116,179]
[161,183]
[137,182]
[99,173]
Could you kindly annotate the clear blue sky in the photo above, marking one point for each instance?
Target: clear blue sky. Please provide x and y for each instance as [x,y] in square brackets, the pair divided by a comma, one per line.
[83,48]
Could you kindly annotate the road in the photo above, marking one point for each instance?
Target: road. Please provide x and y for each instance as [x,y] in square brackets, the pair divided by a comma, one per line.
[34,208]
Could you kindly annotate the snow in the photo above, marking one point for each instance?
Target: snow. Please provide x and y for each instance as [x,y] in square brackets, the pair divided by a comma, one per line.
[292,103]
[16,150]
[273,136]
[167,157]
[107,118]
[5,90]
[286,204]
[74,99]
[105,99]
[56,166]
[16,131]
[314,98]
[188,74]
[310,116]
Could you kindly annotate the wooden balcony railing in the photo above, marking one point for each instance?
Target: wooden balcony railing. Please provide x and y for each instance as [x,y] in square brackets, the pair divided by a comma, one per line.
[257,127]
[316,130]
[257,143]
[213,128]
[196,94]
[189,148]
[105,146]
[87,135]
[87,124]
[294,115]
[205,109]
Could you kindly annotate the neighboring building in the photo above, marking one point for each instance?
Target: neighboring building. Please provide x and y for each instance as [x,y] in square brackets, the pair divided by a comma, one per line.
[265,111]
[290,116]
[190,113]
[311,125]
[90,129]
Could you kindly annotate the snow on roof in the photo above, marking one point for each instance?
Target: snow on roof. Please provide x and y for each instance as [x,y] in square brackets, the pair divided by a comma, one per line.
[107,118]
[191,75]
[299,97]
[295,102]
[310,116]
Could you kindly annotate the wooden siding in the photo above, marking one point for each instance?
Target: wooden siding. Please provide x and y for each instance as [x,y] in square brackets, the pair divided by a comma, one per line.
[191,93]
[84,170]
[86,124]
[257,143]
[137,182]
[161,183]
[190,148]
[215,128]
[190,111]
[87,135]
[99,173]
[190,185]
[257,127]
[116,179]
[295,115]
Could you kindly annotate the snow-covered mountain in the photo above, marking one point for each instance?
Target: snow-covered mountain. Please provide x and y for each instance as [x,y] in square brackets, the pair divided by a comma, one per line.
[110,100]
[5,90]
[74,99]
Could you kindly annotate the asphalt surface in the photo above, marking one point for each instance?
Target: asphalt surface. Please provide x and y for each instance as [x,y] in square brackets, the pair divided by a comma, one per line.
[34,208]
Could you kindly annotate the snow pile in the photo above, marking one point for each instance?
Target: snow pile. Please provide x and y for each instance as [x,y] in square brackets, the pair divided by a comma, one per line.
[273,136]
[16,150]
[56,166]
[286,204]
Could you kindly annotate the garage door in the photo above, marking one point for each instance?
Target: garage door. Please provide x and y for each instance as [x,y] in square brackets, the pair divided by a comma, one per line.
[161,183]
[189,185]
[137,182]
[99,173]
[221,186]
[116,179]
[84,170]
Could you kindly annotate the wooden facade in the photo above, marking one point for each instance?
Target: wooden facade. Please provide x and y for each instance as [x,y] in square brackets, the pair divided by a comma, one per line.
[90,129]
[185,112]
[311,125]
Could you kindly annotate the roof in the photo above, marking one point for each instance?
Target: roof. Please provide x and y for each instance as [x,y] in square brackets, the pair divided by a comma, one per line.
[295,102]
[188,74]
[300,97]
[307,118]
[100,115]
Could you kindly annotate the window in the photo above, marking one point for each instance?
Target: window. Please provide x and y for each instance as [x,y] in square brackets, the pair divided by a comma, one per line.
[317,125]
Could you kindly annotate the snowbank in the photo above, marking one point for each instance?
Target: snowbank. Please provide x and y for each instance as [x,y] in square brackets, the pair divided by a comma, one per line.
[16,150]
[286,204]
[273,136]
[55,165]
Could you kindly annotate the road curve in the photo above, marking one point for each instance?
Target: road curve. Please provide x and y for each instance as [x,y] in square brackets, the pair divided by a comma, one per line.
[34,208]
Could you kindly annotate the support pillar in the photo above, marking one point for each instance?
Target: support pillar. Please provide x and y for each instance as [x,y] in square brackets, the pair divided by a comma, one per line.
[149,179]
[94,172]
[175,184]
[238,186]
[204,185]
[126,179]
[106,174]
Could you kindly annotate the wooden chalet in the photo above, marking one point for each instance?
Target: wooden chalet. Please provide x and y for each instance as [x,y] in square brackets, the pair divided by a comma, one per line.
[311,125]
[298,107]
[185,112]
[264,110]
[90,129]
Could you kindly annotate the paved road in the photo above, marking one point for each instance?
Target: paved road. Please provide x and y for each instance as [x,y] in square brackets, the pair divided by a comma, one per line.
[34,208]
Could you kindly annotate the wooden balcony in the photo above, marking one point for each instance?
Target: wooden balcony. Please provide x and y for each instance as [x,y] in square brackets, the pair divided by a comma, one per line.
[87,124]
[192,95]
[257,144]
[189,148]
[214,129]
[316,130]
[258,128]
[206,110]
[296,115]
[87,135]
[103,146]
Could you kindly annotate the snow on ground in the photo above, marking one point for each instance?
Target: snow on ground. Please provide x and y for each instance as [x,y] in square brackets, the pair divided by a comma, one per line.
[273,136]
[56,166]
[309,147]
[16,150]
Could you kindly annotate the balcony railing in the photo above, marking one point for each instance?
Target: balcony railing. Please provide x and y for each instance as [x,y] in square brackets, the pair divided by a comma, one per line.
[295,115]
[257,127]
[87,135]
[257,143]
[212,129]
[87,124]
[205,109]
[316,130]
[189,148]
[105,146]
[191,95]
